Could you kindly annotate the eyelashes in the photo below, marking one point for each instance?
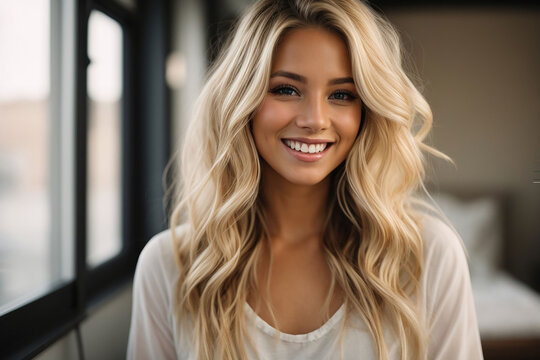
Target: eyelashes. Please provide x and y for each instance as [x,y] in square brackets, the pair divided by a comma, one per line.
[289,90]
[343,95]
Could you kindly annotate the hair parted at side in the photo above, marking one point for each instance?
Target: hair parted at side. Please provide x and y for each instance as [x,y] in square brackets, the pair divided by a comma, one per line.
[371,240]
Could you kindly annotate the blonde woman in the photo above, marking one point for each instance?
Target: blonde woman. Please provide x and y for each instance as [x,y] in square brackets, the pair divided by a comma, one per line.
[297,233]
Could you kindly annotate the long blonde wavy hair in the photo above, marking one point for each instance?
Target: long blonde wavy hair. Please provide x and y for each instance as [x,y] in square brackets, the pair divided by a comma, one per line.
[371,237]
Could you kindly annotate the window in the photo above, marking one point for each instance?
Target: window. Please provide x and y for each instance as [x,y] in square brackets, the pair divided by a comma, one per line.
[78,158]
[35,179]
[104,88]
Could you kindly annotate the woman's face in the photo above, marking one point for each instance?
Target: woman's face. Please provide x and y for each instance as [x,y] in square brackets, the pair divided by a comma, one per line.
[310,116]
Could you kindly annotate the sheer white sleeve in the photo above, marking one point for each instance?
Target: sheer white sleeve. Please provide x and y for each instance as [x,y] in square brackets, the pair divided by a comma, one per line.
[151,332]
[451,316]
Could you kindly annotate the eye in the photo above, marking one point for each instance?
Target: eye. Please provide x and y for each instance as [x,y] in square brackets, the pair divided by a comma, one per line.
[284,90]
[343,95]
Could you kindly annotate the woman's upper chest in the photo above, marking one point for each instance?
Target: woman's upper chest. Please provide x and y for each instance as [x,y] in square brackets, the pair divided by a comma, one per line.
[296,283]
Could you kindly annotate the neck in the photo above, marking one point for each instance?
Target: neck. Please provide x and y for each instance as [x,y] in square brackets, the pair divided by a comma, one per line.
[295,213]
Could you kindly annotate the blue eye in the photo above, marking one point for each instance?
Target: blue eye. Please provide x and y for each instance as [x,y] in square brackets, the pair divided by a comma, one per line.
[343,96]
[284,90]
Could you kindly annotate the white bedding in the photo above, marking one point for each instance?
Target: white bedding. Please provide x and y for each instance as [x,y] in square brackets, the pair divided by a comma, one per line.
[505,307]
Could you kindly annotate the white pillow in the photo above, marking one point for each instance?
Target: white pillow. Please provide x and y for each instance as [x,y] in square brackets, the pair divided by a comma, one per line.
[479,224]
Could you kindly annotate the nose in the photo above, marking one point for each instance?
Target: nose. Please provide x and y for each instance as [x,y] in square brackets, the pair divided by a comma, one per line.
[314,114]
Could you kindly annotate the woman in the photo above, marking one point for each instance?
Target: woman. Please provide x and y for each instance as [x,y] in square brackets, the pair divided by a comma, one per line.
[299,236]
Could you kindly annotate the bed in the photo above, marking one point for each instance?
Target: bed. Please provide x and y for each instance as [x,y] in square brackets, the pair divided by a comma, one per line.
[508,311]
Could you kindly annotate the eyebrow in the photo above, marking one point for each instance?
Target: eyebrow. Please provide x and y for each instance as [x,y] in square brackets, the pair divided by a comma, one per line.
[303,79]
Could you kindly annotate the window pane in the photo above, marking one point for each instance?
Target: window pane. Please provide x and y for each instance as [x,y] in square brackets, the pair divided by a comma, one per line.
[105,44]
[31,258]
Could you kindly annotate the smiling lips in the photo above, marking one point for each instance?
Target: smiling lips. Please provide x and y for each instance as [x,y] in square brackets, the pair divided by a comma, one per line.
[305,148]
[306,151]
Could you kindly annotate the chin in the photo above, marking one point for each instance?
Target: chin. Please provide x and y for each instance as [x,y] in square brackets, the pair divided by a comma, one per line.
[306,179]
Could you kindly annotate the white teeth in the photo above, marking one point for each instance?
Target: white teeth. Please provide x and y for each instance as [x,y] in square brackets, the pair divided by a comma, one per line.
[305,148]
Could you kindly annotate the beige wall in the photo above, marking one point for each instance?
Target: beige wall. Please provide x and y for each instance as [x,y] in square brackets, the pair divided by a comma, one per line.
[481,72]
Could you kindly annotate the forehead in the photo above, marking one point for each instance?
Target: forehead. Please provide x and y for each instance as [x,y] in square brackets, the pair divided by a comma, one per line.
[312,50]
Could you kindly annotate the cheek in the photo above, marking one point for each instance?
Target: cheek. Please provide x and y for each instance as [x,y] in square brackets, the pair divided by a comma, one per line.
[349,126]
[270,119]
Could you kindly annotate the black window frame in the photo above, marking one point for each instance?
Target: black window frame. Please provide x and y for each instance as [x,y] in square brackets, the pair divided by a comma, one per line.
[29,329]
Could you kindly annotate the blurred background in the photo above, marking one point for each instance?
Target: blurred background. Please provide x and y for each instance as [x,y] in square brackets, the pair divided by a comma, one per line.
[95,96]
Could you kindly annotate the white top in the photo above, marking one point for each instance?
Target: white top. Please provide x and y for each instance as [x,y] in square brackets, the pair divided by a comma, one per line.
[449,306]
